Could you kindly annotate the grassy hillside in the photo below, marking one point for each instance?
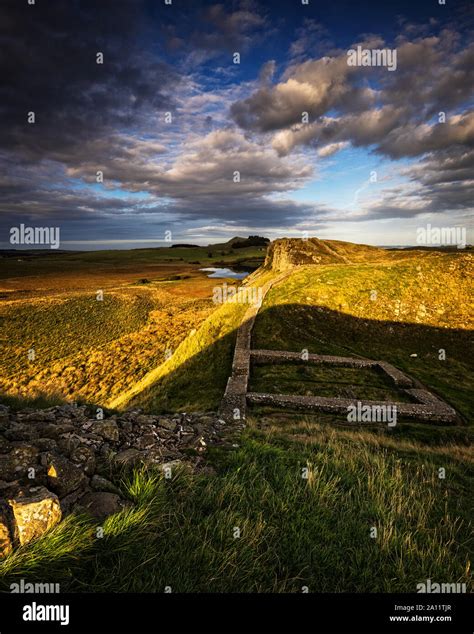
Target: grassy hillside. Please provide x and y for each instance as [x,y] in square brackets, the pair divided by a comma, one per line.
[195,377]
[381,311]
[294,531]
[305,491]
[405,303]
[96,350]
[92,349]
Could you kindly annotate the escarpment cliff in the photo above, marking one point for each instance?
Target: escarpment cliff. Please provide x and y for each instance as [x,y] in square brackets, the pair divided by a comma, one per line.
[285,253]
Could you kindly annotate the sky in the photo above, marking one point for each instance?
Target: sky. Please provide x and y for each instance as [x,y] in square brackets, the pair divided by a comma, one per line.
[130,123]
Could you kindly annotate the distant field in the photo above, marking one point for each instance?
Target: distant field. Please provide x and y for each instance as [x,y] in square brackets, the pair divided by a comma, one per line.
[95,350]
[42,273]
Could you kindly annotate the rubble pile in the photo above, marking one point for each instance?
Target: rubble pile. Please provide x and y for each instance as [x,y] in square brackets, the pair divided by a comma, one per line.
[56,460]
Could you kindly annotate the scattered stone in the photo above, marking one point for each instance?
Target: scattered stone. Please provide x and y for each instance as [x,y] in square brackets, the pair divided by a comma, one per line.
[16,463]
[63,476]
[6,544]
[45,444]
[52,461]
[167,424]
[69,442]
[101,504]
[69,500]
[9,489]
[146,442]
[126,426]
[56,430]
[85,457]
[108,429]
[128,457]
[20,431]
[34,514]
[99,483]
[152,456]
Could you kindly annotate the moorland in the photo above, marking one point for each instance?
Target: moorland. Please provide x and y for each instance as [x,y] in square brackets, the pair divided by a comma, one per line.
[157,342]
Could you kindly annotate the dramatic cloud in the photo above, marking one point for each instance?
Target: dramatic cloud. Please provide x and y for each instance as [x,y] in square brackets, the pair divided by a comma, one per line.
[332,148]
[206,166]
[185,137]
[427,74]
[313,87]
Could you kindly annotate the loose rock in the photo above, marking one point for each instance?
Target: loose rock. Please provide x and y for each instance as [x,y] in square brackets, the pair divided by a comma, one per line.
[100,504]
[53,461]
[34,514]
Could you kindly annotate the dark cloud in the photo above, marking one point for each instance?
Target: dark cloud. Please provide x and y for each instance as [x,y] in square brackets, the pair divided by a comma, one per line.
[314,87]
[48,66]
[157,58]
[223,29]
[432,76]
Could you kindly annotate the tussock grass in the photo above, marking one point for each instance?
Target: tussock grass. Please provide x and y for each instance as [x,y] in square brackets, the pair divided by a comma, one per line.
[57,556]
[293,531]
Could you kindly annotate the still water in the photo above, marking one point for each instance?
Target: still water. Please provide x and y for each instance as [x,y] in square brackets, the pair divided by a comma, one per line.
[215,272]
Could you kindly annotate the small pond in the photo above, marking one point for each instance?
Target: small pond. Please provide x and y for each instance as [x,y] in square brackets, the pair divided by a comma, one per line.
[212,271]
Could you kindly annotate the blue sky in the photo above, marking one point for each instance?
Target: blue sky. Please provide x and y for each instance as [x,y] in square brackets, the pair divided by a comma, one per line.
[168,120]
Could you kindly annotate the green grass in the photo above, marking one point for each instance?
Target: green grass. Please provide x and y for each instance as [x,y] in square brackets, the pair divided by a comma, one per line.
[17,403]
[196,375]
[329,311]
[308,380]
[294,531]
[62,328]
[47,262]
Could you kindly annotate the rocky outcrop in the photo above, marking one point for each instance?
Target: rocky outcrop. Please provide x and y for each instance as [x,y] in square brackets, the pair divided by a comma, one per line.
[287,253]
[6,542]
[60,459]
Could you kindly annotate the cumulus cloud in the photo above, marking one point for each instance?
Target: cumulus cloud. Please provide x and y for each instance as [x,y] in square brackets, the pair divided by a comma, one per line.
[332,148]
[421,110]
[225,119]
[228,30]
[428,73]
[312,87]
[205,167]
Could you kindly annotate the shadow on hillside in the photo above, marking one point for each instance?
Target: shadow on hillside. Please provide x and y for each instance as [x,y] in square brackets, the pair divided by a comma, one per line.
[199,383]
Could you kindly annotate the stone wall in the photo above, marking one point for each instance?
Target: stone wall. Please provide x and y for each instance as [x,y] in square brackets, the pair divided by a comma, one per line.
[56,460]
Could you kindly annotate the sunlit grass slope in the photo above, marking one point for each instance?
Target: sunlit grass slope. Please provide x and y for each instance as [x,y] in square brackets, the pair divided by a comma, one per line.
[372,513]
[382,311]
[195,377]
[403,304]
[89,349]
[294,531]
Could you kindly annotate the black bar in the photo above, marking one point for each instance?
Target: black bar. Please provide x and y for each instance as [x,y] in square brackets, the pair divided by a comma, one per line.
[241,613]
